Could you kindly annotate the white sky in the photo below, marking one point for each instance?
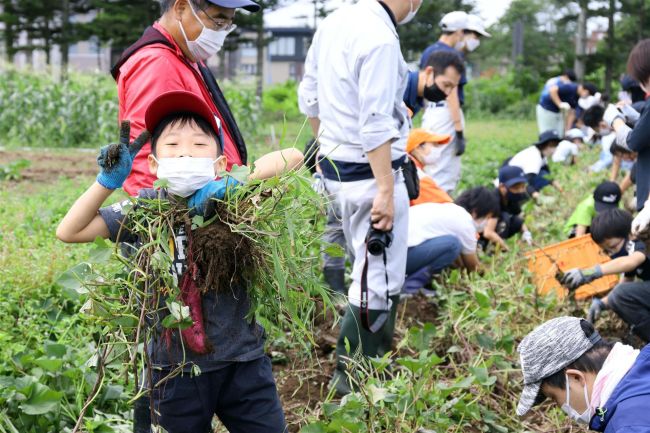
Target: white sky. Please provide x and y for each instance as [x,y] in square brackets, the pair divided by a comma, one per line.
[300,12]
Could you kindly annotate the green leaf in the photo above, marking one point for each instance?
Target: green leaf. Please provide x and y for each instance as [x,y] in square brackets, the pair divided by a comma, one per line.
[55,350]
[72,280]
[239,173]
[317,427]
[482,299]
[334,250]
[102,251]
[49,364]
[41,400]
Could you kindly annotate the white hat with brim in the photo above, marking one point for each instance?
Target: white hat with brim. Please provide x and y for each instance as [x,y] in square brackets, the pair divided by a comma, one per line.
[475,24]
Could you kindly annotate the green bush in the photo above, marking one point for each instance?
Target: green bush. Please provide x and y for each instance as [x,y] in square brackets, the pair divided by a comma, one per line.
[501,95]
[36,110]
[281,101]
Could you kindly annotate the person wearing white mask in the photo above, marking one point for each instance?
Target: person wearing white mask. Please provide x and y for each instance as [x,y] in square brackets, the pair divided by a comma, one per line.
[171,55]
[236,381]
[352,90]
[604,386]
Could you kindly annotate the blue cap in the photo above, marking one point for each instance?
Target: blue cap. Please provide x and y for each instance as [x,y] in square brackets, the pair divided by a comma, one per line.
[546,136]
[249,5]
[510,175]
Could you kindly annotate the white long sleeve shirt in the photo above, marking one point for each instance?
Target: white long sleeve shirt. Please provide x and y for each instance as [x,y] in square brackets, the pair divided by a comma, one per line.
[354,82]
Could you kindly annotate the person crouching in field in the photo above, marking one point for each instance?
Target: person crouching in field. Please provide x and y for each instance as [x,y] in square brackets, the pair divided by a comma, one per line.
[597,383]
[236,382]
[630,299]
[606,196]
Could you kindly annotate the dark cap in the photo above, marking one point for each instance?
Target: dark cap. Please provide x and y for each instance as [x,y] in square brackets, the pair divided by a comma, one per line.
[550,348]
[249,5]
[546,136]
[510,175]
[178,101]
[607,196]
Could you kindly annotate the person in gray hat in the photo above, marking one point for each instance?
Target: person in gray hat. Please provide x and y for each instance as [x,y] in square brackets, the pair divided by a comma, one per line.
[595,382]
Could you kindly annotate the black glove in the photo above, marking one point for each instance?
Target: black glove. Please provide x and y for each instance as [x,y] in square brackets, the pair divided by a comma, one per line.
[579,277]
[460,143]
[595,310]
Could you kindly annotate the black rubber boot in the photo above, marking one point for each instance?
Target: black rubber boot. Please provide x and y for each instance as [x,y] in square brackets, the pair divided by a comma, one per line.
[142,415]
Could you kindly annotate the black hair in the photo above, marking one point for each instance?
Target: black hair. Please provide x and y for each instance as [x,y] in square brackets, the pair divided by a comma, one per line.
[593,116]
[183,118]
[166,5]
[549,143]
[612,223]
[312,147]
[441,60]
[638,65]
[480,200]
[589,362]
[591,87]
[571,74]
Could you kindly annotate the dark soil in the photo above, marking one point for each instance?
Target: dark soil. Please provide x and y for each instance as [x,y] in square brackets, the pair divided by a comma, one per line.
[50,165]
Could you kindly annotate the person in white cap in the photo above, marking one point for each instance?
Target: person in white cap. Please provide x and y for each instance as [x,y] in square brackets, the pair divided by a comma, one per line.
[601,384]
[570,147]
[352,90]
[460,33]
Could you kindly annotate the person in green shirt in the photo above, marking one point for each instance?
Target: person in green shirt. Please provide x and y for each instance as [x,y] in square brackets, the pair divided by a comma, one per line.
[607,195]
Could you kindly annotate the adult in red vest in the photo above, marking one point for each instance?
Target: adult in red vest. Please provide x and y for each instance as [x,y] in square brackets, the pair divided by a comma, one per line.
[171,55]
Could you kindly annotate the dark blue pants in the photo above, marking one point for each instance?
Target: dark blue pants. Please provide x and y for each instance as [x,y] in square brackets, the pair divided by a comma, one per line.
[243,395]
[429,258]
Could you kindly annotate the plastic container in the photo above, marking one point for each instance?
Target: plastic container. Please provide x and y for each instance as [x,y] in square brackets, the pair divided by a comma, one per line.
[581,252]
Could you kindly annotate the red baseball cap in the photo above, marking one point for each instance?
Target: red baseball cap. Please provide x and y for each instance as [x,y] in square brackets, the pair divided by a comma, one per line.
[178,101]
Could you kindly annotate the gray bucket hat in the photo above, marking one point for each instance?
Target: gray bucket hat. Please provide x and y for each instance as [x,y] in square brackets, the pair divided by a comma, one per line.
[549,348]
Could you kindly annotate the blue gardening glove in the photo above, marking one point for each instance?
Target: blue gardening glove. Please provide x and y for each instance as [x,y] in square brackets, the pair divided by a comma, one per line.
[460,143]
[595,310]
[214,190]
[579,277]
[115,160]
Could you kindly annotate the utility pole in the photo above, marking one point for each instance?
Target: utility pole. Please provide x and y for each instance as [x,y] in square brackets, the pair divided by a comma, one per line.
[581,41]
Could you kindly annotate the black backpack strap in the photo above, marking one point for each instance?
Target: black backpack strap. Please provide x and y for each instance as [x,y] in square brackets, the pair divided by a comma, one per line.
[149,37]
[224,109]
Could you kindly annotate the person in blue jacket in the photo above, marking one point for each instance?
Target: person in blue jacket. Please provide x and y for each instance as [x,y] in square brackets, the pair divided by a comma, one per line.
[597,383]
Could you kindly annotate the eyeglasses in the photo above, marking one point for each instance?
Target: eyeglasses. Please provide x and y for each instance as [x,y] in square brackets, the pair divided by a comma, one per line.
[218,24]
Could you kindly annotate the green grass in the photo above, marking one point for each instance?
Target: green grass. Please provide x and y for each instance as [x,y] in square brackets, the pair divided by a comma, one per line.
[475,334]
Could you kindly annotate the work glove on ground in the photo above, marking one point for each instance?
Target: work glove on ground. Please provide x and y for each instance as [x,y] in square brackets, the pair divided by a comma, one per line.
[579,277]
[116,160]
[612,113]
[460,143]
[527,237]
[595,310]
[213,190]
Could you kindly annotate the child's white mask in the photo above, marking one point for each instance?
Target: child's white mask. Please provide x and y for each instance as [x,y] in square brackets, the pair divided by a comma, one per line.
[433,157]
[186,175]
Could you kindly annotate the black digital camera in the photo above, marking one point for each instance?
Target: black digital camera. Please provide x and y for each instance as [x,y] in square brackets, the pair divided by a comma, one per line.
[377,241]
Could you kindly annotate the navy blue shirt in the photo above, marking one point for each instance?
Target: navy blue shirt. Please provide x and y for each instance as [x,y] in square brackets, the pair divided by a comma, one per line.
[639,141]
[568,92]
[411,98]
[234,338]
[441,46]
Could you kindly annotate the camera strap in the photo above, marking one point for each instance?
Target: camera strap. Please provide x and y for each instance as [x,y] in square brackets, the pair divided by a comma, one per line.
[363,305]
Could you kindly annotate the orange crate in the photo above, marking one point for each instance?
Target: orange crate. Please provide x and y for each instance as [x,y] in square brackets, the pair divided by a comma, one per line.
[581,252]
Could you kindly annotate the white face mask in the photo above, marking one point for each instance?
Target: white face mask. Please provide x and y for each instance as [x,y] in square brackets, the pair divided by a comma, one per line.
[412,13]
[480,225]
[433,157]
[186,175]
[209,41]
[582,418]
[472,44]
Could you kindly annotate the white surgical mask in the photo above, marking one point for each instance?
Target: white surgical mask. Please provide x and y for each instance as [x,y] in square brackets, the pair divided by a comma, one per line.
[433,157]
[186,175]
[209,41]
[472,44]
[408,18]
[582,418]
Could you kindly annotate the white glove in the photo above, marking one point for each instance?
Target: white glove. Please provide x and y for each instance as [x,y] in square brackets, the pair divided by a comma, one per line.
[642,221]
[564,106]
[612,113]
[527,237]
[631,115]
[318,183]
